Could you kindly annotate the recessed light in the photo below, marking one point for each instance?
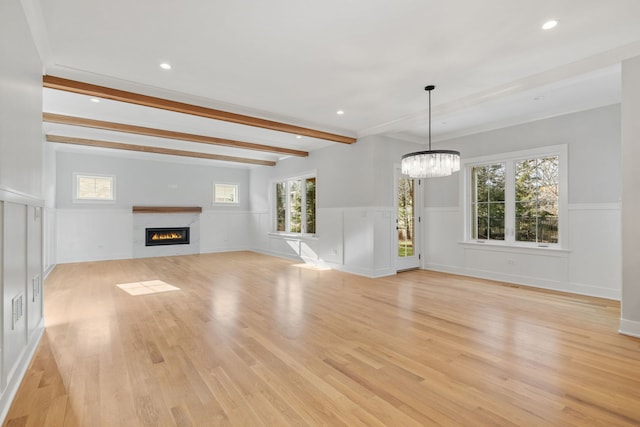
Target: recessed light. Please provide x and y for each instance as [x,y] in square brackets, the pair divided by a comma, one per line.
[96,100]
[339,112]
[298,136]
[549,24]
[165,66]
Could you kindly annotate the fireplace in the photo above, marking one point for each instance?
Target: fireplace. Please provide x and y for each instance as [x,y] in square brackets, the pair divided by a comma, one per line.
[167,236]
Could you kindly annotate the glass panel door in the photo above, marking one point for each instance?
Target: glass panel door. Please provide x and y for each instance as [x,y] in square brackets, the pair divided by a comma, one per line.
[407,247]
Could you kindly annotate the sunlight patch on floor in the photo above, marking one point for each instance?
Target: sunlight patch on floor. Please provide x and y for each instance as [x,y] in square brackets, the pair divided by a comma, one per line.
[312,267]
[148,287]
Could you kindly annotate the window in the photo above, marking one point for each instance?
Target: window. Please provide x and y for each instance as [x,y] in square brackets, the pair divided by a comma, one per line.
[537,200]
[295,205]
[516,199]
[487,201]
[95,188]
[225,193]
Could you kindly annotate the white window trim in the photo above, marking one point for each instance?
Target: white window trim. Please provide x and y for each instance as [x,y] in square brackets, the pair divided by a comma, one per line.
[510,157]
[236,203]
[272,208]
[74,190]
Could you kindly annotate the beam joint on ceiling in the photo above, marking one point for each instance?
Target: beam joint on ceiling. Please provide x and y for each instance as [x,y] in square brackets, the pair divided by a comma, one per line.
[167,134]
[88,89]
[154,150]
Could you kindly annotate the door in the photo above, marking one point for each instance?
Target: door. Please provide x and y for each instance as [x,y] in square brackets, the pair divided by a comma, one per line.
[407,191]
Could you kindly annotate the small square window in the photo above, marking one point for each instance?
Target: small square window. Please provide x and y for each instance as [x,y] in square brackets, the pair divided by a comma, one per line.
[94,188]
[225,194]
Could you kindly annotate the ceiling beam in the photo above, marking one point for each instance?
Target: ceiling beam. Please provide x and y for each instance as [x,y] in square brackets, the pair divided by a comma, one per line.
[155,150]
[74,86]
[161,133]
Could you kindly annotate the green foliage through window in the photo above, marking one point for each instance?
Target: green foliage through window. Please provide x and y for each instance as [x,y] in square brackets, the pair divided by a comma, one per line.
[487,203]
[405,217]
[537,200]
[516,200]
[295,209]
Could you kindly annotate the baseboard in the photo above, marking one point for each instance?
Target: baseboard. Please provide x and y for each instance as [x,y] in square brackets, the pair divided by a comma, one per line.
[629,327]
[14,382]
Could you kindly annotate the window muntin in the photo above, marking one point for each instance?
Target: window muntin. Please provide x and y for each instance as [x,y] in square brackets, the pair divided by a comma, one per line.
[95,188]
[225,194]
[295,205]
[517,198]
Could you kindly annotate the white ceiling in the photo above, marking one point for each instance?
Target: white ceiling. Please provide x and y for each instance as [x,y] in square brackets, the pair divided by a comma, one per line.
[298,62]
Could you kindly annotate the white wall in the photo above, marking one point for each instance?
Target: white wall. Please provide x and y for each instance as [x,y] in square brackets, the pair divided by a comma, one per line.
[630,317]
[20,104]
[591,265]
[21,320]
[89,231]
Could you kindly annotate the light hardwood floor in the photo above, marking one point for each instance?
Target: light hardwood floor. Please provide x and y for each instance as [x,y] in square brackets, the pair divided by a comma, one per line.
[252,340]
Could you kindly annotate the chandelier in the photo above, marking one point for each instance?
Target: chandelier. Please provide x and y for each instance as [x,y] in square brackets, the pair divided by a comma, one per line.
[430,163]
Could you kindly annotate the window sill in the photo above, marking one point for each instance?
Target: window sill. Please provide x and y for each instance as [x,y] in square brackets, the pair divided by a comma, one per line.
[294,236]
[532,250]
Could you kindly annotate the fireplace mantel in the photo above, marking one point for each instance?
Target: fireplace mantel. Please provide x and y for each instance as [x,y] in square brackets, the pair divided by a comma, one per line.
[167,209]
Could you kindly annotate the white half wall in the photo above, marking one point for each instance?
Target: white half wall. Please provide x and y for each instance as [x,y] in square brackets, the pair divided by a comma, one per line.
[591,266]
[107,234]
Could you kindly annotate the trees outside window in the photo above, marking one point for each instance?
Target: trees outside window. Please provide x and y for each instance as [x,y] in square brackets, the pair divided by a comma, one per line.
[517,200]
[488,201]
[406,196]
[536,201]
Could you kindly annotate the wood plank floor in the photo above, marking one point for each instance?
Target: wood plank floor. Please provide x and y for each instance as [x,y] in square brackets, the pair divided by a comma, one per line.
[252,340]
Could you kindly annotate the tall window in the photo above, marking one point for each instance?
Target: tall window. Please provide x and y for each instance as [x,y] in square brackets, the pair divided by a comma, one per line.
[97,188]
[295,205]
[517,199]
[537,200]
[487,201]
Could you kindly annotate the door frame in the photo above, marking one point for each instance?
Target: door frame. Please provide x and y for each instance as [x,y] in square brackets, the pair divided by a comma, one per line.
[415,261]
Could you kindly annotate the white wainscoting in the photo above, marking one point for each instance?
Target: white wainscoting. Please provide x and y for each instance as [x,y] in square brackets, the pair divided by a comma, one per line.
[224,231]
[105,234]
[21,273]
[355,240]
[93,234]
[49,233]
[589,266]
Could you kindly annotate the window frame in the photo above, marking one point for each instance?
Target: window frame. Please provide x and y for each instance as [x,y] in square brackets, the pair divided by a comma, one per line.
[510,159]
[237,194]
[273,205]
[76,189]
